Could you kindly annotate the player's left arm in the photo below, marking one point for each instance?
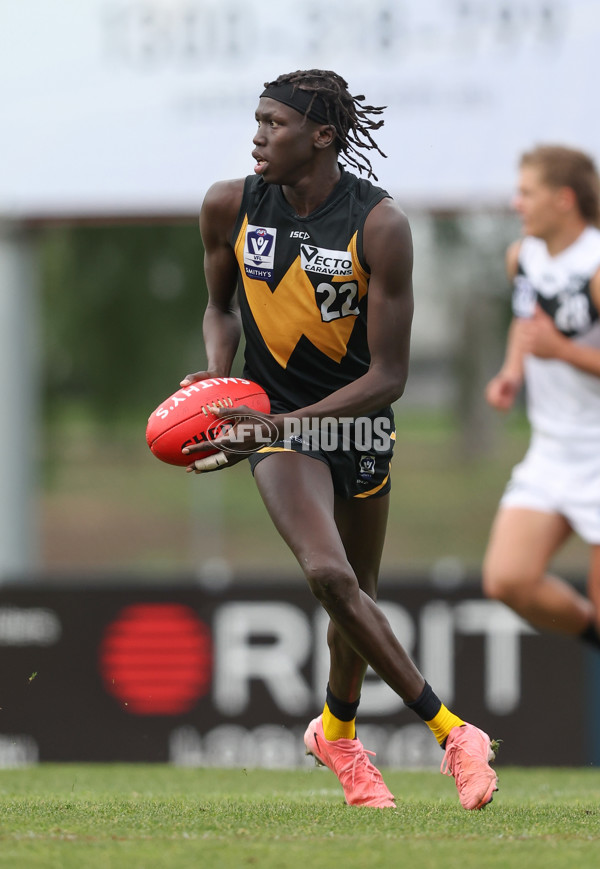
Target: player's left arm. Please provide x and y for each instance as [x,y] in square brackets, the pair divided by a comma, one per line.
[542,338]
[388,249]
[387,246]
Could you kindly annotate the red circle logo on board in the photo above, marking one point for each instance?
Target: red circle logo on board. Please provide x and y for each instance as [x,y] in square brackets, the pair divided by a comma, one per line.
[156,658]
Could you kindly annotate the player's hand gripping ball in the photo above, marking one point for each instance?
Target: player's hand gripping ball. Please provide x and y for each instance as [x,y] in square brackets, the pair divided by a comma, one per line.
[188,416]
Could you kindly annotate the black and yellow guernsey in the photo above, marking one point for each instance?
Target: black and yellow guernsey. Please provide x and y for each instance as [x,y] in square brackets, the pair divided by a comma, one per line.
[303,290]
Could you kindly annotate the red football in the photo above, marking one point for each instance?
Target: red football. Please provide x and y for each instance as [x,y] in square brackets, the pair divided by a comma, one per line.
[187,417]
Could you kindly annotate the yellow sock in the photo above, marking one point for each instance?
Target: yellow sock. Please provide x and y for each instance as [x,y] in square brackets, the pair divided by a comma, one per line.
[334,728]
[443,723]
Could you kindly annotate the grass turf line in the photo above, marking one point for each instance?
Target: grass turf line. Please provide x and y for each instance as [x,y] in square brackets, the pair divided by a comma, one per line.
[145,817]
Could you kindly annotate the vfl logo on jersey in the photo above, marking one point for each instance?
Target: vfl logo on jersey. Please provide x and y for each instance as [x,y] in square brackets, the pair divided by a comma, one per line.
[325,262]
[259,252]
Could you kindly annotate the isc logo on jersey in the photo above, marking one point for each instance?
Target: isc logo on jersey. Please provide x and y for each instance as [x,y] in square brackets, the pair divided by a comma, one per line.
[325,262]
[259,251]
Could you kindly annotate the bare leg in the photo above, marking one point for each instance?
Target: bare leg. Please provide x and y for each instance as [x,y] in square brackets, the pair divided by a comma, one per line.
[298,493]
[362,524]
[521,545]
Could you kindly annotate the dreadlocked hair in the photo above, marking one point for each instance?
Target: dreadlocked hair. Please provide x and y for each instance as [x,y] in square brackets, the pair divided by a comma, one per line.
[352,121]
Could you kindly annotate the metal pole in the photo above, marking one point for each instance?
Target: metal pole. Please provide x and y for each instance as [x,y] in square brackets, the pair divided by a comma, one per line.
[19,401]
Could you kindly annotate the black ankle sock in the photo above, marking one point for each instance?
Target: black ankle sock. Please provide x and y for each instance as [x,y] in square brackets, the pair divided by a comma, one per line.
[591,636]
[342,709]
[427,705]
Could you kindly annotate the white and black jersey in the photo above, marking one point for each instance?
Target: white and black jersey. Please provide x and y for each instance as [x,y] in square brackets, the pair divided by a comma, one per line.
[562,400]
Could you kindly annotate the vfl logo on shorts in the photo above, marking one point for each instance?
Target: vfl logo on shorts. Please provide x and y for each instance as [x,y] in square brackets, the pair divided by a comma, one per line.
[259,252]
[366,468]
[325,262]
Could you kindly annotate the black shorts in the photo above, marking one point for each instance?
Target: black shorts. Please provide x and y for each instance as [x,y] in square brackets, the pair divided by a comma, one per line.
[360,467]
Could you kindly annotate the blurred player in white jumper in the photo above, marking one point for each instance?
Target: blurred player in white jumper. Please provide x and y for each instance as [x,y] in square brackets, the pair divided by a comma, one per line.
[553,348]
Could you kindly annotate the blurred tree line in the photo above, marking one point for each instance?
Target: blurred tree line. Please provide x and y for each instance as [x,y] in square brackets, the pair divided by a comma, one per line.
[121,316]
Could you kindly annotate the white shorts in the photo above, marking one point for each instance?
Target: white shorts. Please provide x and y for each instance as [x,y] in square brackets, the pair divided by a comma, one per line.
[560,477]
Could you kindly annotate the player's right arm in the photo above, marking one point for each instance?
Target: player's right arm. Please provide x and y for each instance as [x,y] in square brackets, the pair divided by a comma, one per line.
[221,324]
[503,389]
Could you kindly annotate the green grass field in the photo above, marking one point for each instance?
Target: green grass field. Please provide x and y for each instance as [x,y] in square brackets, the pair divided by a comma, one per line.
[137,817]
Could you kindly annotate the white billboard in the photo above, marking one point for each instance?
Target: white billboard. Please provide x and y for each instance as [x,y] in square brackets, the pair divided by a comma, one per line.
[133,107]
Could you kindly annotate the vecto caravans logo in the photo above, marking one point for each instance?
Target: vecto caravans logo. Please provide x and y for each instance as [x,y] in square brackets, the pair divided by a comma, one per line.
[324,261]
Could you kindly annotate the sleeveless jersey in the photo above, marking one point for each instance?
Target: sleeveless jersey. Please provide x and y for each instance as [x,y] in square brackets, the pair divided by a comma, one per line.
[302,287]
[562,401]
